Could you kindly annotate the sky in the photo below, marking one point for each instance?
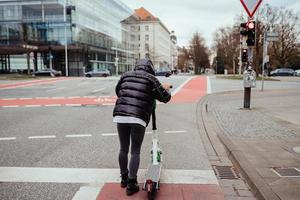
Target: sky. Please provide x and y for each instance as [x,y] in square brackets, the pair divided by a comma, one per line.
[186,17]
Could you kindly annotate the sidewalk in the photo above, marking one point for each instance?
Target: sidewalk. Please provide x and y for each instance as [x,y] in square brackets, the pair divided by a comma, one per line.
[260,141]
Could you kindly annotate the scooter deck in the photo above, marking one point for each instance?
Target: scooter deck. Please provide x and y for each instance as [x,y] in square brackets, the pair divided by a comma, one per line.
[153,173]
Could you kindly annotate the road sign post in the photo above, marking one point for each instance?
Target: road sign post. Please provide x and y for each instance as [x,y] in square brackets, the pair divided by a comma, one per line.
[250,7]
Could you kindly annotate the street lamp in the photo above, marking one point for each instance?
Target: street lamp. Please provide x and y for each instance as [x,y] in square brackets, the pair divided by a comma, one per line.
[66,45]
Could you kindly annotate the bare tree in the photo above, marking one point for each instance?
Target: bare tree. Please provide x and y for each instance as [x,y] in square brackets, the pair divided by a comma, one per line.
[285,22]
[183,58]
[200,53]
[226,48]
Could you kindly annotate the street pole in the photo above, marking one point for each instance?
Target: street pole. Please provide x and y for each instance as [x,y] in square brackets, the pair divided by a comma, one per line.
[247,90]
[265,52]
[66,44]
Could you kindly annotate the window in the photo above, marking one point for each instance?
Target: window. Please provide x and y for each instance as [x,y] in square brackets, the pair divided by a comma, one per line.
[132,37]
[139,37]
[147,37]
[147,28]
[139,28]
[147,47]
[132,28]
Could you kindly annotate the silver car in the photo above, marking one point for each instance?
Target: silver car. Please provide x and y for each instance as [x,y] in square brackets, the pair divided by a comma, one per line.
[98,73]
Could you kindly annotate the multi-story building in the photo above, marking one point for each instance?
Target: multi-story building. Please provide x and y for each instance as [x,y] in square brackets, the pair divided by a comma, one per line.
[150,38]
[35,33]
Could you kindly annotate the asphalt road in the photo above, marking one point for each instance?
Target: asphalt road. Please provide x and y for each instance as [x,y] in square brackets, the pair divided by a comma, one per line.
[84,137]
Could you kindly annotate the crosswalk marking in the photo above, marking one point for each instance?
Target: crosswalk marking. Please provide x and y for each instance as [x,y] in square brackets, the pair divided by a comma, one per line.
[96,176]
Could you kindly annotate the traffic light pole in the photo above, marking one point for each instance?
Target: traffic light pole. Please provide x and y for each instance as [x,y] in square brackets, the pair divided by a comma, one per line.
[265,53]
[247,90]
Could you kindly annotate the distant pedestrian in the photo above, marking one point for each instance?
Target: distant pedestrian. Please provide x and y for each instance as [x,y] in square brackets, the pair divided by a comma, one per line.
[137,91]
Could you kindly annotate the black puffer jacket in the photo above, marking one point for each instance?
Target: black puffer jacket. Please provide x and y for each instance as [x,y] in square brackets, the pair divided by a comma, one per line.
[137,90]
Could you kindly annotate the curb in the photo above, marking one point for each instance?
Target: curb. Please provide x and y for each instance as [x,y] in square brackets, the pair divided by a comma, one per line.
[259,187]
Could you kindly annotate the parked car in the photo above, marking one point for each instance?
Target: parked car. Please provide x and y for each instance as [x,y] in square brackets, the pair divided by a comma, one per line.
[163,71]
[282,72]
[47,72]
[297,72]
[98,73]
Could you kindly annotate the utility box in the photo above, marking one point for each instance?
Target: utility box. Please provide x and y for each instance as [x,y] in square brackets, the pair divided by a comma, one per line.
[249,78]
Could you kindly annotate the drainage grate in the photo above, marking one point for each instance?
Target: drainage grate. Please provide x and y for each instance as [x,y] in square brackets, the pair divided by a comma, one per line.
[287,172]
[225,172]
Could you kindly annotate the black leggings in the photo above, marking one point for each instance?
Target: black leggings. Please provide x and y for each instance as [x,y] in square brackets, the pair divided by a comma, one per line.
[136,133]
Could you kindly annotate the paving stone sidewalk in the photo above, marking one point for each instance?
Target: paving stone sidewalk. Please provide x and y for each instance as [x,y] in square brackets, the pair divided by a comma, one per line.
[260,141]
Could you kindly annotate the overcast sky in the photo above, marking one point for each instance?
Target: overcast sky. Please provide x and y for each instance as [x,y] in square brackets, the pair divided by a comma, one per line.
[188,16]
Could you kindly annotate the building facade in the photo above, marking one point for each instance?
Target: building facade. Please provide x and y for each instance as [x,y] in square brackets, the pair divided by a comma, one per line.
[150,38]
[35,33]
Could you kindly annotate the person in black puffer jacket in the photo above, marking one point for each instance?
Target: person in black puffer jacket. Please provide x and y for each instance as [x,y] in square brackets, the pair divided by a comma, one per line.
[137,91]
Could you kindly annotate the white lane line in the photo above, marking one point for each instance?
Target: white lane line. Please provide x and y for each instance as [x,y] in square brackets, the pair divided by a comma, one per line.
[42,98]
[95,91]
[58,97]
[85,175]
[10,106]
[10,99]
[75,97]
[8,138]
[42,137]
[78,136]
[61,88]
[32,106]
[183,131]
[181,86]
[208,90]
[109,134]
[89,97]
[74,105]
[52,105]
[25,98]
[108,104]
[88,192]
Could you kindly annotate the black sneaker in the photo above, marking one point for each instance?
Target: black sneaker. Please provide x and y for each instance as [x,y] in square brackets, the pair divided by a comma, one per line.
[124,180]
[132,187]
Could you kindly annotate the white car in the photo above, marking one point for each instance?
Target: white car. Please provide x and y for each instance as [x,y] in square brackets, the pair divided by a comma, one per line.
[297,72]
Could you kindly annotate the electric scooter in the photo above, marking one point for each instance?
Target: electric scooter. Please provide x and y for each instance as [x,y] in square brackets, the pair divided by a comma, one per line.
[152,178]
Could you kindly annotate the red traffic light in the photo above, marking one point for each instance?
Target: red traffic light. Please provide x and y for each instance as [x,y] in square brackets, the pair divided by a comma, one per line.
[251,25]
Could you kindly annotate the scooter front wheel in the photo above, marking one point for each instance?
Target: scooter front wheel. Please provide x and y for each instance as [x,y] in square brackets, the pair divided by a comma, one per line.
[151,190]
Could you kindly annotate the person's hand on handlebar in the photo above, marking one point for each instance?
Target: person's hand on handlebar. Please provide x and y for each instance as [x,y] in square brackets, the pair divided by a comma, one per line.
[167,86]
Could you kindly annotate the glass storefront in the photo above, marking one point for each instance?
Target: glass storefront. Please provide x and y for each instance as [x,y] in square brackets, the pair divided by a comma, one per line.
[93,32]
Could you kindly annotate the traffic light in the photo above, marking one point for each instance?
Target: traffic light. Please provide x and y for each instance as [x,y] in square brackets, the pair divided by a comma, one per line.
[244,55]
[243,30]
[250,33]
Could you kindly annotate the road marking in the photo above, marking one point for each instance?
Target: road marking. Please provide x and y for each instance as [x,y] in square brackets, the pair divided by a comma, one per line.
[78,136]
[208,90]
[74,105]
[8,138]
[175,131]
[95,91]
[90,176]
[109,134]
[52,105]
[32,106]
[58,98]
[61,88]
[108,104]
[75,97]
[10,106]
[89,97]
[42,137]
[42,98]
[88,192]
[181,86]
[10,99]
[25,98]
